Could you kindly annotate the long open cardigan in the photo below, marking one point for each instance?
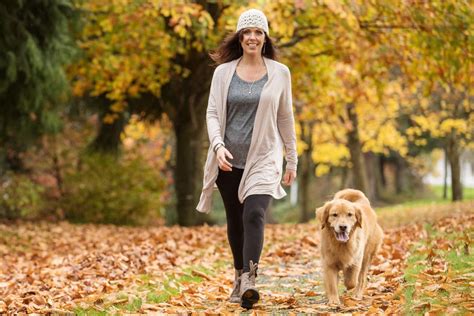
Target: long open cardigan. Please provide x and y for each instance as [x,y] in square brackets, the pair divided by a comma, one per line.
[274,129]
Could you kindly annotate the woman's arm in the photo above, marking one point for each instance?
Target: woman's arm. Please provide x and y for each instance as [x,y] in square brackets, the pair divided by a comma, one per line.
[212,116]
[286,123]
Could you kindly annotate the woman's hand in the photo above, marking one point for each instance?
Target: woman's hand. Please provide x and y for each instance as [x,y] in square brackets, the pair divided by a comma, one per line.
[222,154]
[289,177]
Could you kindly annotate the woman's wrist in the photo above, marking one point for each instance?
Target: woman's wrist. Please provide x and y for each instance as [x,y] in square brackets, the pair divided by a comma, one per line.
[219,145]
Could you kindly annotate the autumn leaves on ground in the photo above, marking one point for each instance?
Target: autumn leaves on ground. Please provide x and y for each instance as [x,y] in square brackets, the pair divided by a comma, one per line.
[424,265]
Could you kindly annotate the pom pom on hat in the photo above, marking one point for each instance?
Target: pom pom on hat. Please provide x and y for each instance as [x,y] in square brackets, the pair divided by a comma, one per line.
[253,18]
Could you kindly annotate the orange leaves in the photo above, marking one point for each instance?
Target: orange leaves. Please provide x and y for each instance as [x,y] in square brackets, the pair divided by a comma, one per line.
[352,60]
[129,47]
[55,268]
[181,17]
[344,12]
[121,42]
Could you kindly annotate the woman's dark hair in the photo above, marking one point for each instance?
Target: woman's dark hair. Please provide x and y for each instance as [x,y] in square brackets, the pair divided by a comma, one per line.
[230,48]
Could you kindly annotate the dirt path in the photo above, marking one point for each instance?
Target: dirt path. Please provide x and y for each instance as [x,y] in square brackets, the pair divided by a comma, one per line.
[289,280]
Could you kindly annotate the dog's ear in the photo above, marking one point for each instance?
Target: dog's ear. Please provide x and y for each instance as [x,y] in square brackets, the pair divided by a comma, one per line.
[322,214]
[358,214]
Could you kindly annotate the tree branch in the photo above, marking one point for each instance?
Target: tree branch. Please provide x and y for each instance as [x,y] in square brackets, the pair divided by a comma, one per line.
[298,38]
[324,52]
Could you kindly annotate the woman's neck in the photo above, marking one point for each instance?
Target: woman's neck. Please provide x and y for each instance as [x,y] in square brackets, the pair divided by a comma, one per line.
[252,60]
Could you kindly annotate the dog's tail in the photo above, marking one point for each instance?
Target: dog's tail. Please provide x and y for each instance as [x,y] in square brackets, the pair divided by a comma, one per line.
[352,195]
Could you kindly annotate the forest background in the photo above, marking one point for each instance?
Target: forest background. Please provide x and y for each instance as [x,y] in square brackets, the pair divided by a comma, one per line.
[103,103]
[103,140]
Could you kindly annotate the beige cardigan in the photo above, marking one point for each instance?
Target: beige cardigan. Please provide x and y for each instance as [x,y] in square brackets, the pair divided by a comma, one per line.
[274,128]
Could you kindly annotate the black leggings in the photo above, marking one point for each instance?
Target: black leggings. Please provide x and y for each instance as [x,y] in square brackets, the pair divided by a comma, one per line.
[245,222]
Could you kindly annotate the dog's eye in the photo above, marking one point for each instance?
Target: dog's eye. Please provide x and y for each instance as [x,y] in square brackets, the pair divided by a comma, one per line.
[350,214]
[335,215]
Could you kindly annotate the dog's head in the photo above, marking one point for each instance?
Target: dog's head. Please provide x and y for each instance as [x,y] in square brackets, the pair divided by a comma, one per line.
[341,216]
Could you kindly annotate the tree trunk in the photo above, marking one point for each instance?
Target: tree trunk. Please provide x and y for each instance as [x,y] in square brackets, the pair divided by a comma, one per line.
[454,156]
[3,161]
[445,176]
[15,162]
[375,176]
[57,172]
[355,149]
[306,169]
[345,178]
[185,103]
[402,179]
[11,156]
[383,179]
[108,137]
[188,171]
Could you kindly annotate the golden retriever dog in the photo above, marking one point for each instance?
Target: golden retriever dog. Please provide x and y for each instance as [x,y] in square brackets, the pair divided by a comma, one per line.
[350,237]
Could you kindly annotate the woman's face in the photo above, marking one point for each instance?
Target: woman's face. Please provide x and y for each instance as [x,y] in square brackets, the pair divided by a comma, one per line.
[252,41]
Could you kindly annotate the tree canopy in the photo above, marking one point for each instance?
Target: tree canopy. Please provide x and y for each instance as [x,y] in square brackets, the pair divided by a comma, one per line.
[35,45]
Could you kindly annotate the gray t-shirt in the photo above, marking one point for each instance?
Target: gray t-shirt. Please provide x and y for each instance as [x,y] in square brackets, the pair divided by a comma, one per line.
[242,103]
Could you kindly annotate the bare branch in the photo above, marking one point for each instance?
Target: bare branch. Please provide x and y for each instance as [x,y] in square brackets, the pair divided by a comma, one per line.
[324,52]
[308,32]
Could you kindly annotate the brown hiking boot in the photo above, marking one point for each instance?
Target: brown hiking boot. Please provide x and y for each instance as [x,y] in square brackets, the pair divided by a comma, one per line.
[248,292]
[235,295]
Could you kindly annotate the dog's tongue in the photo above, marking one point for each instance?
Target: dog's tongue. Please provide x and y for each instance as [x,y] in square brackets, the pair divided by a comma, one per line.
[343,236]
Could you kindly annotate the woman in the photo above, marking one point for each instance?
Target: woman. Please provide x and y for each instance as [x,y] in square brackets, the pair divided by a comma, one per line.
[249,121]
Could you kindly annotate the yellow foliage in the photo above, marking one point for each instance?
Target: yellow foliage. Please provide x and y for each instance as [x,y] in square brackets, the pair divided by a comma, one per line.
[118,107]
[149,141]
[388,137]
[130,47]
[426,123]
[339,9]
[424,103]
[420,142]
[453,125]
[330,153]
[110,118]
[321,170]
[106,25]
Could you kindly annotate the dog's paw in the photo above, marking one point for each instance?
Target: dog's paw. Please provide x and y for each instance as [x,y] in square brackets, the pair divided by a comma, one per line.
[357,296]
[334,301]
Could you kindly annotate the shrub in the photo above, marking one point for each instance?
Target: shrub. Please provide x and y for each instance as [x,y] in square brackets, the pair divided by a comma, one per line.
[20,197]
[108,190]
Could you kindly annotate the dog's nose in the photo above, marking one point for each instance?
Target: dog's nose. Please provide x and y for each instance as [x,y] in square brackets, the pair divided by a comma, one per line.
[343,228]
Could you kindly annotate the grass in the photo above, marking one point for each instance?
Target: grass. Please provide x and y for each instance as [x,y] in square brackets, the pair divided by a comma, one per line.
[446,292]
[434,197]
[468,193]
[418,210]
[158,298]
[134,305]
[147,291]
[89,312]
[283,212]
[412,270]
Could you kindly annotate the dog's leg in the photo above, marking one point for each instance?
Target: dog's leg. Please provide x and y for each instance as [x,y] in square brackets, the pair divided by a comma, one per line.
[350,276]
[362,280]
[330,283]
[370,252]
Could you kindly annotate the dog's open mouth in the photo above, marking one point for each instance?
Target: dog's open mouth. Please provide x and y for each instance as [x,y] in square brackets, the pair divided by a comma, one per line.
[342,236]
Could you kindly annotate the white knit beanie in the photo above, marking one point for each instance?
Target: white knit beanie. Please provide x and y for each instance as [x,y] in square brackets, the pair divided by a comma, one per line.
[253,18]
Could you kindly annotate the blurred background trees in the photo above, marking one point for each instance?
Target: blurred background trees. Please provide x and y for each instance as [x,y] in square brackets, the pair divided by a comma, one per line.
[35,45]
[378,87]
